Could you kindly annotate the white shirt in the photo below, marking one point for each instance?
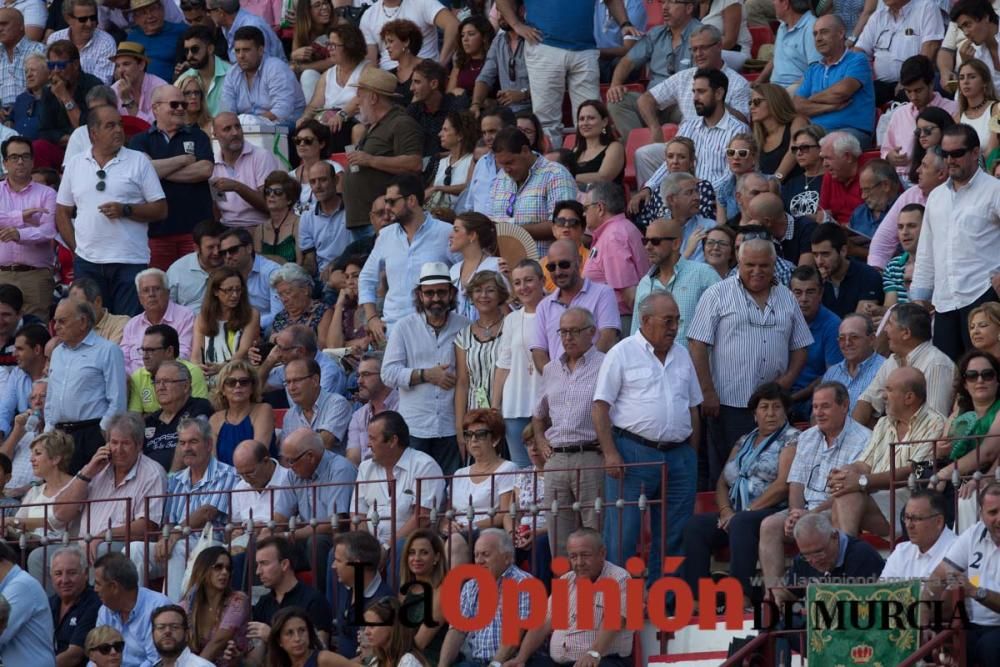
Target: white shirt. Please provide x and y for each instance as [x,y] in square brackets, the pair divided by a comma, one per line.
[632,379]
[906,561]
[188,659]
[247,499]
[892,39]
[976,554]
[676,90]
[484,495]
[129,179]
[958,243]
[524,382]
[421,12]
[372,491]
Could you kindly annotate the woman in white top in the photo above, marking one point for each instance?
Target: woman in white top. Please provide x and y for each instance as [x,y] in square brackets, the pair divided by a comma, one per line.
[335,97]
[976,100]
[475,237]
[515,380]
[727,17]
[50,458]
[389,641]
[459,134]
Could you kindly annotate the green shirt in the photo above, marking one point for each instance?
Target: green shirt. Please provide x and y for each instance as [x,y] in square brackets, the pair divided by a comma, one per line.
[142,398]
[213,96]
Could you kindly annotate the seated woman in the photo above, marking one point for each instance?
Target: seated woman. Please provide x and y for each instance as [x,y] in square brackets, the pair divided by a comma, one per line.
[173,392]
[984,328]
[774,121]
[476,34]
[390,643]
[311,55]
[930,127]
[800,191]
[741,156]
[600,154]
[459,134]
[531,127]
[424,561]
[335,101]
[227,325]
[753,485]
[279,233]
[293,641]
[240,416]
[51,454]
[294,288]
[312,143]
[197,109]
[104,647]
[647,204]
[403,41]
[217,614]
[347,328]
[531,533]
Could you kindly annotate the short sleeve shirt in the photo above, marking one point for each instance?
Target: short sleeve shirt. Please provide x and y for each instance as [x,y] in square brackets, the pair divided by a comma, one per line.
[978,556]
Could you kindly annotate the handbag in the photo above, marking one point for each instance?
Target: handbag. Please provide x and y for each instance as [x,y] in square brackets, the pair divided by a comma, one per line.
[204,541]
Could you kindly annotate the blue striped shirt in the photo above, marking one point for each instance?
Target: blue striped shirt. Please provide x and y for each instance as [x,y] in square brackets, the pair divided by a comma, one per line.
[484,643]
[857,383]
[212,489]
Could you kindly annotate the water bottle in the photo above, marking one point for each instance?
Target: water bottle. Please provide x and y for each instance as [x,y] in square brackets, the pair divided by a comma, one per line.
[32,424]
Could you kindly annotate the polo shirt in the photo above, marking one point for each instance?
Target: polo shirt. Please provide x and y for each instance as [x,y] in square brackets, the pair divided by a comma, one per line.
[396,134]
[840,198]
[597,298]
[860,110]
[142,394]
[890,39]
[161,437]
[794,51]
[569,30]
[856,561]
[824,351]
[978,556]
[800,241]
[656,51]
[213,96]
[161,48]
[860,283]
[79,619]
[431,123]
[300,595]
[189,203]
[326,234]
[251,168]
[907,562]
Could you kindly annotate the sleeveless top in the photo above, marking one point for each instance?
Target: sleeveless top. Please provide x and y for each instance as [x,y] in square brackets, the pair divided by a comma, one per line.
[480,360]
[459,172]
[467,75]
[414,604]
[219,349]
[284,250]
[231,435]
[313,660]
[981,124]
[593,165]
[337,96]
[771,160]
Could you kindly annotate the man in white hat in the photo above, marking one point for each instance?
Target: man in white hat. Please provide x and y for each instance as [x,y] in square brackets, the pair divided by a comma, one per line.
[420,362]
[134,85]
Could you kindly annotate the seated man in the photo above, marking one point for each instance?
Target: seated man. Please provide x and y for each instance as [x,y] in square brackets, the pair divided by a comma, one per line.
[350,549]
[880,186]
[159,345]
[126,606]
[299,342]
[856,339]
[850,286]
[188,276]
[378,398]
[930,538]
[173,394]
[170,637]
[313,407]
[807,287]
[431,104]
[74,605]
[681,195]
[135,85]
[840,189]
[261,85]
[861,489]
[157,36]
[253,495]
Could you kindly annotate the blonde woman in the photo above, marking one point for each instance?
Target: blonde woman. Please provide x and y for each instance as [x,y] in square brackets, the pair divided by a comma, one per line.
[104,646]
[241,414]
[984,328]
[196,98]
[774,121]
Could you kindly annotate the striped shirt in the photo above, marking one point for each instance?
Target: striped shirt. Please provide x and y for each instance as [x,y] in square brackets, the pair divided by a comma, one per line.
[572,644]
[892,277]
[858,382]
[12,83]
[937,368]
[567,398]
[95,56]
[480,360]
[212,489]
[814,458]
[744,336]
[688,282]
[676,90]
[925,425]
[485,642]
[710,145]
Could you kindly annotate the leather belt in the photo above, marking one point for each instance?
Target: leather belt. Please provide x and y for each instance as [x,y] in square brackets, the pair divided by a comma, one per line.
[652,444]
[19,268]
[576,449]
[72,427]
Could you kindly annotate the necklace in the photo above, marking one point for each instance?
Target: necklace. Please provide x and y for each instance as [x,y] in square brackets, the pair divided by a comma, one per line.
[281,224]
[392,15]
[488,330]
[977,107]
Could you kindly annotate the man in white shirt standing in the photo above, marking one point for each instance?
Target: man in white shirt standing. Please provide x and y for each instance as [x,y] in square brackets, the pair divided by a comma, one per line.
[930,538]
[648,369]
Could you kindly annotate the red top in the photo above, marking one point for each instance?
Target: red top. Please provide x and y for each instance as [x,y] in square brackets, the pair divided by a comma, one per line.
[840,199]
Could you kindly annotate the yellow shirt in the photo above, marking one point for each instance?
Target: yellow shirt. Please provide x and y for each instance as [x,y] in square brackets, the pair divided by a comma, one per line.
[142,397]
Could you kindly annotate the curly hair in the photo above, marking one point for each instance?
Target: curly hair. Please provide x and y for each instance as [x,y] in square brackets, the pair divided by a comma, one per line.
[405,31]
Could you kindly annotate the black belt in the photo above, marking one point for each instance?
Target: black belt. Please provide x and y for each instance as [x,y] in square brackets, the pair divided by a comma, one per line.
[652,444]
[577,449]
[19,268]
[72,427]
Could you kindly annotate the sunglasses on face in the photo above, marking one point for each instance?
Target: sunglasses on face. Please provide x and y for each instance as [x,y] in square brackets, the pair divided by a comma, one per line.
[738,152]
[957,153]
[757,101]
[276,192]
[923,132]
[57,65]
[562,264]
[566,222]
[304,141]
[177,104]
[987,375]
[657,240]
[802,148]
[230,252]
[89,18]
[478,434]
[105,649]
[237,382]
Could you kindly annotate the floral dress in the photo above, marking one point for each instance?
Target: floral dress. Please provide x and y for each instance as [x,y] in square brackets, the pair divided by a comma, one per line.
[311,318]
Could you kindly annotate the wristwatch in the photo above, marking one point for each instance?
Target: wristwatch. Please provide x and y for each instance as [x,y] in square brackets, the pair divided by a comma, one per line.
[981,594]
[863,483]
[594,654]
[127,210]
[627,24]
[69,106]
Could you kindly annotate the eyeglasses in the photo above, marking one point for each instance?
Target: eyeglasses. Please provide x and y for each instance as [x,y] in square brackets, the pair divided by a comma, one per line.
[478,434]
[292,381]
[288,462]
[486,290]
[196,49]
[275,191]
[435,293]
[173,627]
[802,148]
[57,65]
[566,222]
[391,201]
[164,382]
[738,152]
[89,18]
[150,350]
[924,131]
[987,375]
[567,333]
[657,240]
[101,184]
[561,264]
[912,518]
[957,153]
[305,141]
[717,243]
[106,649]
[19,157]
[229,252]
[237,382]
[757,101]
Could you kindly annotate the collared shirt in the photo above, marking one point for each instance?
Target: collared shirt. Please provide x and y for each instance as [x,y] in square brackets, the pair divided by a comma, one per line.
[129,178]
[710,145]
[693,224]
[894,277]
[142,392]
[925,425]
[840,198]
[27,639]
[331,376]
[858,382]
[264,300]
[794,51]
[676,90]
[598,299]
[211,490]
[12,82]
[485,642]
[272,45]
[607,32]
[886,238]
[146,479]
[251,168]
[976,554]
[427,408]
[35,245]
[860,110]
[893,37]
[907,562]
[337,476]
[656,51]
[860,283]
[496,68]
[372,492]
[187,659]
[161,47]
[955,257]
[903,121]
[431,122]
[632,378]
[249,502]
[180,318]
[617,257]
[568,646]
[531,202]
[327,235]
[824,352]
[111,327]
[402,259]
[357,432]
[144,110]
[72,628]
[481,184]
[937,368]
[213,96]
[567,398]
[815,458]
[187,281]
[161,437]
[85,382]
[95,56]
[273,88]
[688,282]
[136,629]
[743,335]
[15,397]
[331,413]
[864,219]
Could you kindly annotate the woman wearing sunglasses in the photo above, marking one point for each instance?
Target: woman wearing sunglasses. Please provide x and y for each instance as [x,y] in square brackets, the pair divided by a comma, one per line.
[800,191]
[931,123]
[104,646]
[741,156]
[197,110]
[312,143]
[241,415]
[227,325]
[217,614]
[774,121]
[280,233]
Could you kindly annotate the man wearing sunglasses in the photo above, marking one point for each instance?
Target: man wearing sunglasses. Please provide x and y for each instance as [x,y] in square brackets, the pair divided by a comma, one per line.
[64,103]
[95,45]
[200,59]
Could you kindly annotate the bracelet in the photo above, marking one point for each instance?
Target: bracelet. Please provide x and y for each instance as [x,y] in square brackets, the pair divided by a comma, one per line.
[420,376]
[82,477]
[371,318]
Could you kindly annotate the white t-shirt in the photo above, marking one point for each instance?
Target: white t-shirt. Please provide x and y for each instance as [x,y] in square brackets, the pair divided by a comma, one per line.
[975,554]
[714,18]
[337,96]
[34,12]
[463,487]
[79,142]
[421,12]
[520,391]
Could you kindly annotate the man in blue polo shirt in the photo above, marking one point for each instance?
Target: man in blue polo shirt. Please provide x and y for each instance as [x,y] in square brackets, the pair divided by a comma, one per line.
[837,92]
[794,46]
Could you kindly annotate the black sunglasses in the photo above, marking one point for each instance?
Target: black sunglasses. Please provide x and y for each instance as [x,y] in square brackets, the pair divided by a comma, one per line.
[101,184]
[229,252]
[178,104]
[304,141]
[105,649]
[957,153]
[89,18]
[987,375]
[562,264]
[447,175]
[657,240]
[924,131]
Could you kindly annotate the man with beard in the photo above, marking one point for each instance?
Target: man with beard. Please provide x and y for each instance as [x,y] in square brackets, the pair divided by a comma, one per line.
[188,276]
[239,174]
[485,172]
[714,127]
[849,285]
[261,85]
[170,627]
[504,69]
[201,61]
[378,398]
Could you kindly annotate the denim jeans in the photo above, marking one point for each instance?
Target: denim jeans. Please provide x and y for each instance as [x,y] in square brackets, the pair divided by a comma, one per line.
[117,283]
[515,445]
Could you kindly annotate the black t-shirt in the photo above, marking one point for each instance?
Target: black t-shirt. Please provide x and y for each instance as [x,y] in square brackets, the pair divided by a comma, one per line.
[72,629]
[303,596]
[801,194]
[53,123]
[801,241]
[861,283]
[161,437]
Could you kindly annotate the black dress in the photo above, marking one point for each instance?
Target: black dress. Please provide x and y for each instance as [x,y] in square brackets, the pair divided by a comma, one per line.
[593,165]
[771,160]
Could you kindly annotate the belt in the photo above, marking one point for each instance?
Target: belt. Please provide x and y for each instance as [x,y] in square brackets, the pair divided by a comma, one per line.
[19,268]
[652,444]
[72,427]
[576,449]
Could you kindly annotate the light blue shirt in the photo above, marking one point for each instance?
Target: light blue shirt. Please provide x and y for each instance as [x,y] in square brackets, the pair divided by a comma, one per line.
[274,88]
[326,234]
[15,399]
[794,51]
[137,629]
[331,376]
[694,223]
[86,382]
[689,282]
[331,413]
[187,498]
[607,32]
[272,45]
[262,297]
[857,384]
[860,110]
[402,260]
[331,499]
[28,637]
[483,175]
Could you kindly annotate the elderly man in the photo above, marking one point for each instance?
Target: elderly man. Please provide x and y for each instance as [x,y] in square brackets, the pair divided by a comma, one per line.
[956,271]
[377,397]
[64,104]
[682,197]
[170,631]
[392,145]
[203,61]
[127,607]
[323,234]
[564,428]
[880,186]
[836,93]
[254,495]
[188,276]
[261,85]
[160,344]
[236,246]
[835,441]
[115,192]
[14,48]
[74,605]
[594,645]
[792,235]
[183,159]
[298,342]
[28,634]
[713,128]
[930,538]
[645,367]
[856,340]
[29,353]
[86,381]
[27,229]
[908,329]
[156,35]
[850,286]
[861,489]
[228,15]
[807,288]
[174,396]
[794,46]
[494,550]
[312,407]
[736,342]
[154,296]
[573,290]
[110,327]
[238,177]
[95,45]
[739,192]
[527,187]
[840,191]
[134,85]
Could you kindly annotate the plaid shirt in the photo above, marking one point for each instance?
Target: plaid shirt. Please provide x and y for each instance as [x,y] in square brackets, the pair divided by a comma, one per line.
[570,645]
[212,490]
[547,183]
[486,642]
[95,56]
[567,398]
[12,81]
[814,459]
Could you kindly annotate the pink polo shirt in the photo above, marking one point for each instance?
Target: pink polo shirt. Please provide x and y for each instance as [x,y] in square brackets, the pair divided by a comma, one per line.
[886,237]
[35,247]
[181,318]
[150,82]
[903,122]
[251,168]
[617,258]
[146,478]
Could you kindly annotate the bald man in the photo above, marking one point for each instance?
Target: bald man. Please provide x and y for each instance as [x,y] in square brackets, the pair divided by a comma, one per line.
[860,490]
[768,210]
[238,178]
[16,49]
[670,272]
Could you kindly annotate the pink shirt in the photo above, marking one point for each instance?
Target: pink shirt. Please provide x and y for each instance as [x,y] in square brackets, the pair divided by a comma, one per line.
[35,247]
[617,258]
[145,479]
[903,122]
[886,238]
[251,168]
[269,10]
[150,82]
[179,317]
